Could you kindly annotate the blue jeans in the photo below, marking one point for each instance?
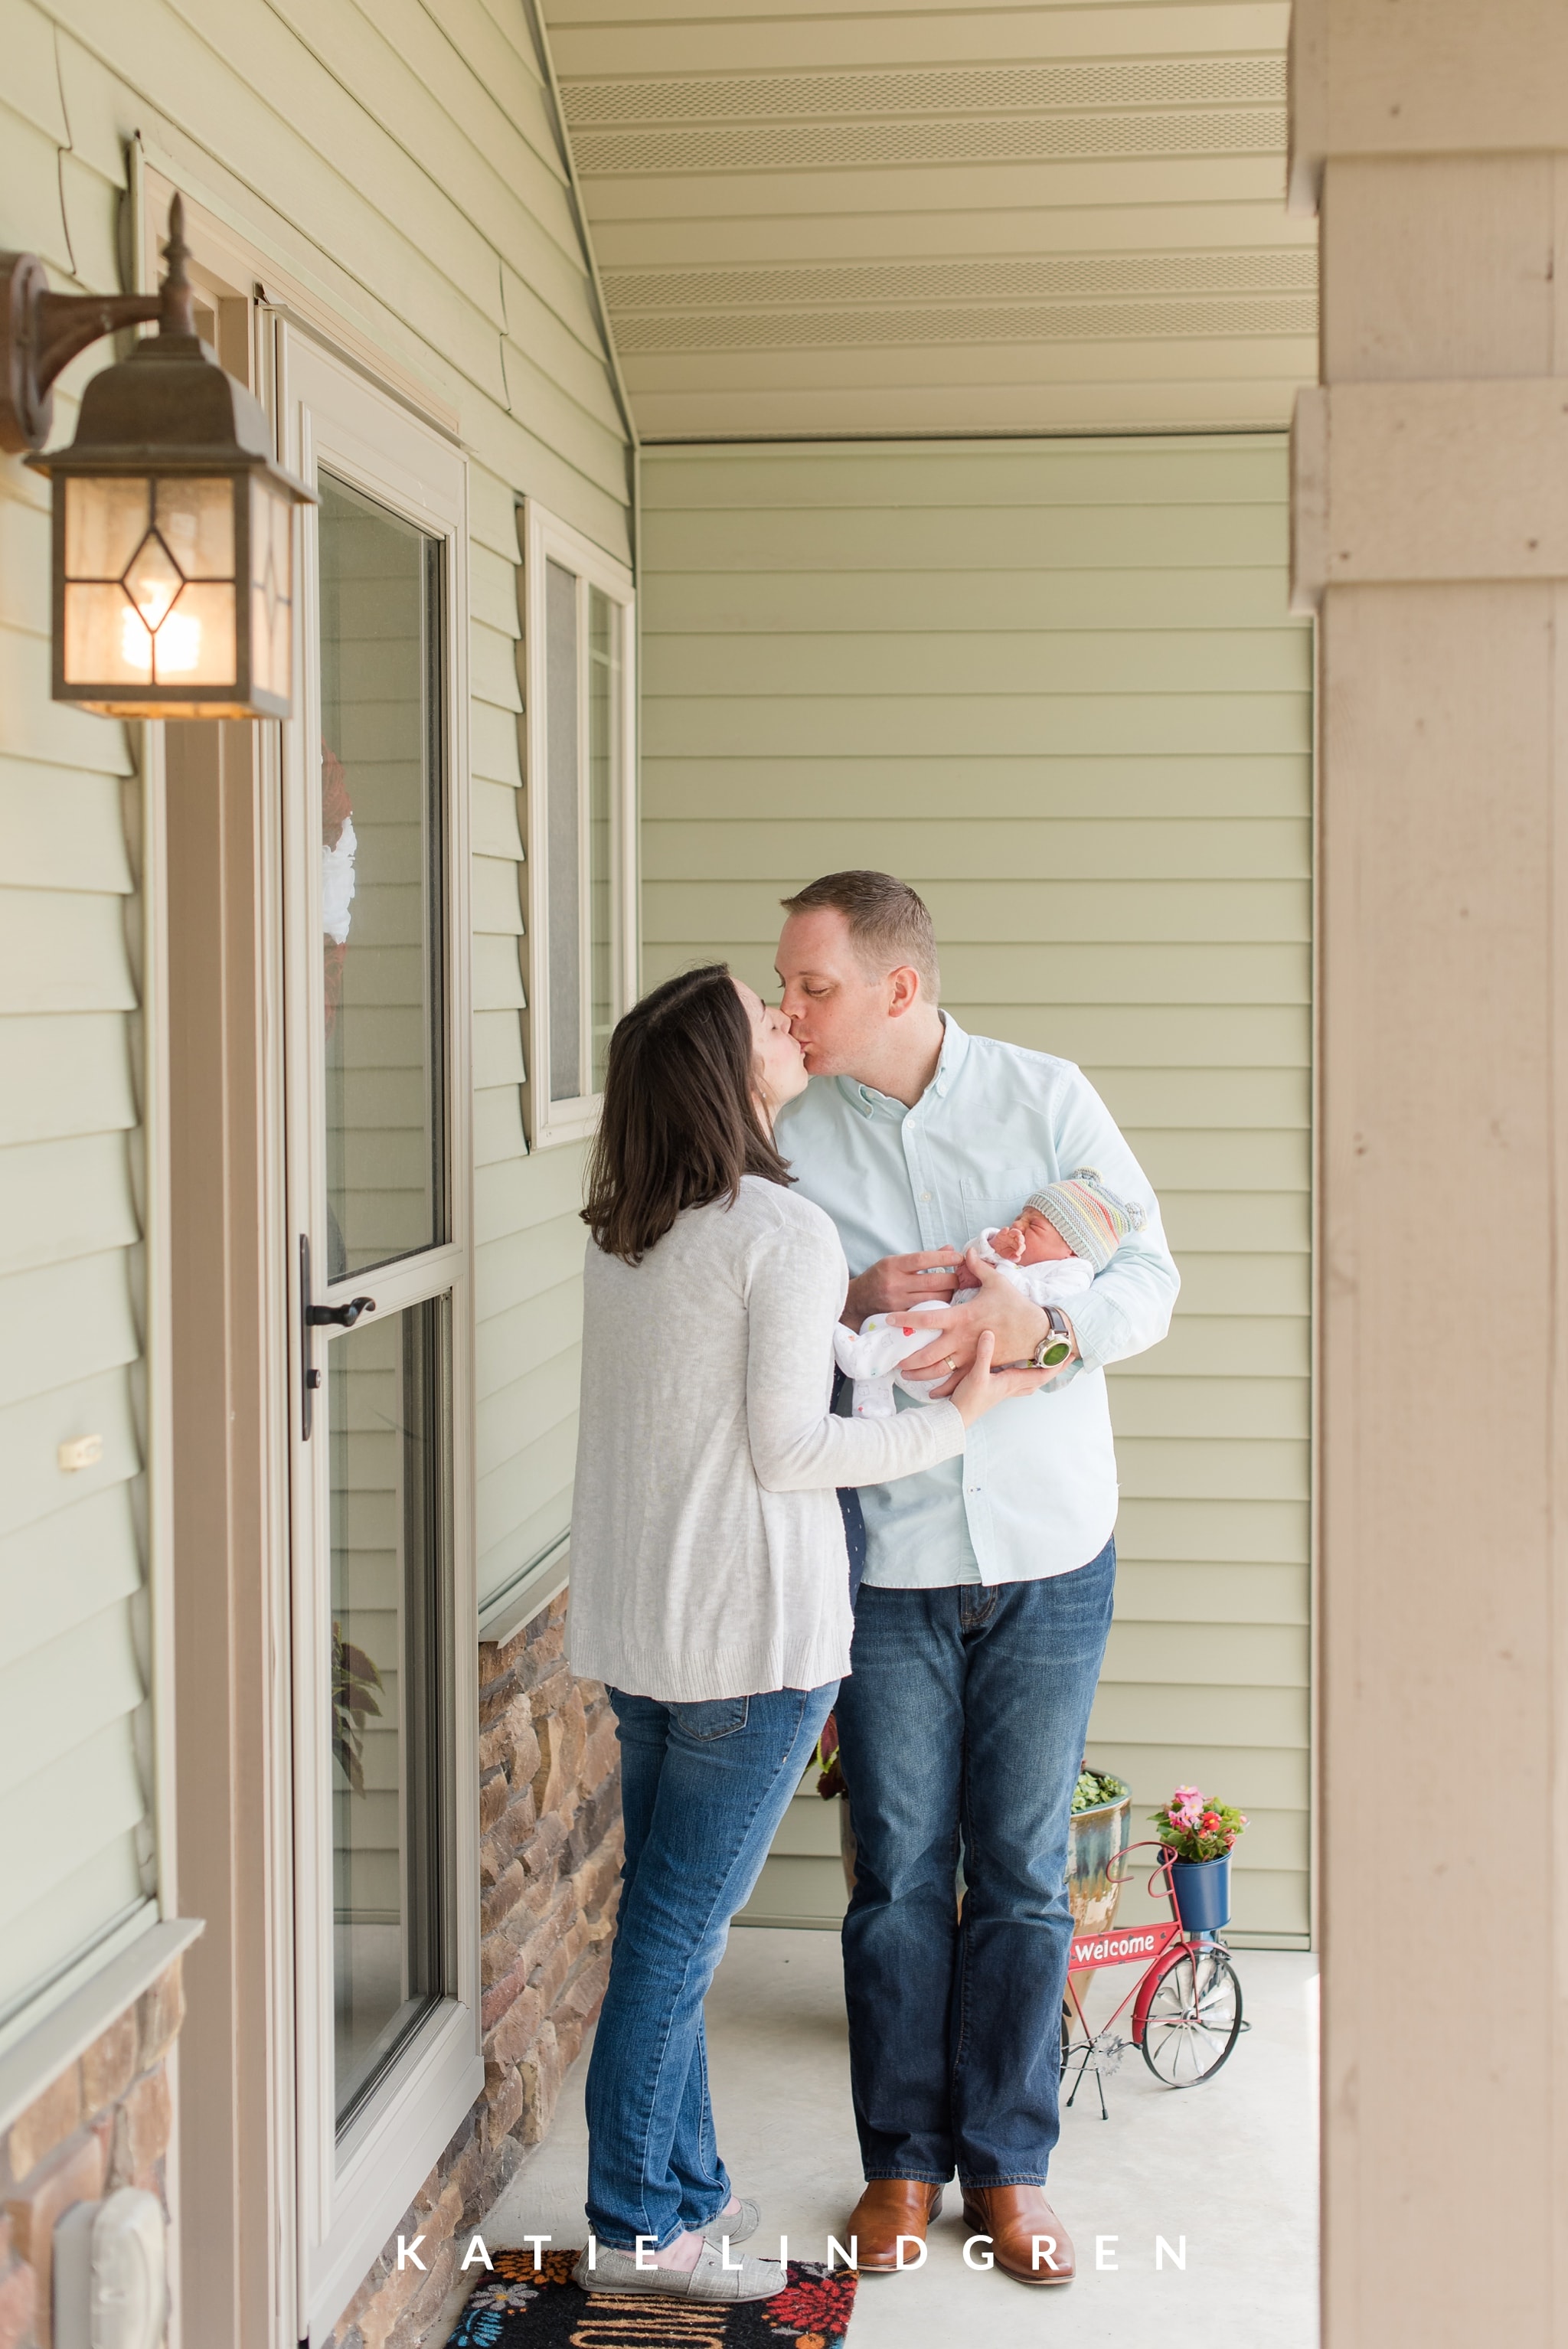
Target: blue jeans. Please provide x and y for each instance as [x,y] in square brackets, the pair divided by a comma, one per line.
[702,1788]
[964,1720]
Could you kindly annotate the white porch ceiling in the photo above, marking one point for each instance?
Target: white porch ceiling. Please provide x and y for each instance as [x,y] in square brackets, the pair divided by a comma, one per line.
[840,217]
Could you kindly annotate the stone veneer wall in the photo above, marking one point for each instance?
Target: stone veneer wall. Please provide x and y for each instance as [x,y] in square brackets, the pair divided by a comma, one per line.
[550,1878]
[103,2124]
[550,1814]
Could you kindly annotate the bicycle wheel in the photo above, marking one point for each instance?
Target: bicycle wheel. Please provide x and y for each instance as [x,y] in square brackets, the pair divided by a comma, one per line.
[1194,2017]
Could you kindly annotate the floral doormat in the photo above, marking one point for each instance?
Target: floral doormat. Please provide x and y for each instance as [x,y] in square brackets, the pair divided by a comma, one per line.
[521,2307]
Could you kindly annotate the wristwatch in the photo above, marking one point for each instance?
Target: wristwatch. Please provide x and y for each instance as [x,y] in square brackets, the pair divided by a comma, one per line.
[1057,1342]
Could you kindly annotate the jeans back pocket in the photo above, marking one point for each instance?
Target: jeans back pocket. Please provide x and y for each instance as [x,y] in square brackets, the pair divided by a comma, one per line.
[714,1717]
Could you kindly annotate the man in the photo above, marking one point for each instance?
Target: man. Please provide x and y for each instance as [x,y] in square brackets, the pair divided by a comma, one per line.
[982,1618]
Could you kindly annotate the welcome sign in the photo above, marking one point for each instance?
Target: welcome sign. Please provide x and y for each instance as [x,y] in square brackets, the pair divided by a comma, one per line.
[1121,1945]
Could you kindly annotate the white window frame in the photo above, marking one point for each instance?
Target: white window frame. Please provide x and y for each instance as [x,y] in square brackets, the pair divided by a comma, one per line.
[546,540]
[351,2194]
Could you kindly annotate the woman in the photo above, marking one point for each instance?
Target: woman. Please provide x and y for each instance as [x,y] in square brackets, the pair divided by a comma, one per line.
[709,1584]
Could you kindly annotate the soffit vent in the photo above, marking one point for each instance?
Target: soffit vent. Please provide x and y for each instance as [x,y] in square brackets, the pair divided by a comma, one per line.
[815,146]
[1075,321]
[990,89]
[1291,270]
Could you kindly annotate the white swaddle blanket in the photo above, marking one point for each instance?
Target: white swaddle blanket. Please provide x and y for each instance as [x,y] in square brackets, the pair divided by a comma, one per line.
[872,1354]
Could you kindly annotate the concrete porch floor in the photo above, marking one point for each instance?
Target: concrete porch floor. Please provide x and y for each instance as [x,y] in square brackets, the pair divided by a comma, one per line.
[1231,2166]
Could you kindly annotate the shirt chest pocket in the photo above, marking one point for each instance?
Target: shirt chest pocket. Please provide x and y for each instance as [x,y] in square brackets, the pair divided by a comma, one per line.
[997,1196]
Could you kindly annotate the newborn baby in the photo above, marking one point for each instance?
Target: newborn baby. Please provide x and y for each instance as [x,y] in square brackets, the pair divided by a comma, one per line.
[1062,1236]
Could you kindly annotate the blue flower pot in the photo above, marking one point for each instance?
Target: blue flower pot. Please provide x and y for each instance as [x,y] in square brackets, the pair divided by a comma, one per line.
[1202,1888]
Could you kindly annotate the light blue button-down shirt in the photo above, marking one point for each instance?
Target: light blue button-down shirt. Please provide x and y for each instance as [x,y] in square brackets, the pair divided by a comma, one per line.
[1034,1491]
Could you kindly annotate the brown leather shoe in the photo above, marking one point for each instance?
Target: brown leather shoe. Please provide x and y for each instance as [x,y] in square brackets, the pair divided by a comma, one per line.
[892,2211]
[1028,2239]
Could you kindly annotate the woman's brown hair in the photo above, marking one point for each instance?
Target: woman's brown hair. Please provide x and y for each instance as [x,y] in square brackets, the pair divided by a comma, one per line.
[680,1126]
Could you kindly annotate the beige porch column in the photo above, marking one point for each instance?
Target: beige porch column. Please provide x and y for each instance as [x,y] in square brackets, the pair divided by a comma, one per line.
[1431,527]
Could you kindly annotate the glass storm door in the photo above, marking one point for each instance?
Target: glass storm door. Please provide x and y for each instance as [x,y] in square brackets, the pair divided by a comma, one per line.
[386,1428]
[384,1744]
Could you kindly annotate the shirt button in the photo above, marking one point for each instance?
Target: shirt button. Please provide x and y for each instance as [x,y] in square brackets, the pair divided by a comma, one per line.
[926,1198]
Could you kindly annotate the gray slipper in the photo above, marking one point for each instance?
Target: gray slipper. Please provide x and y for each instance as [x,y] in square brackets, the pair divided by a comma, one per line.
[738,2229]
[617,2273]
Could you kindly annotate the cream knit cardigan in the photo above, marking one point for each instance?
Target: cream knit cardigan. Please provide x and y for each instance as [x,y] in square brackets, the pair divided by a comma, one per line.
[707,1550]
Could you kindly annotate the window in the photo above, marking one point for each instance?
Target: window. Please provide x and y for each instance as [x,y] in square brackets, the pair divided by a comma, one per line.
[581,843]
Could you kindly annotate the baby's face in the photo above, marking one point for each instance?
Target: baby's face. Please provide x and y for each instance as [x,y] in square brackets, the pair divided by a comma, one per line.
[1032,1239]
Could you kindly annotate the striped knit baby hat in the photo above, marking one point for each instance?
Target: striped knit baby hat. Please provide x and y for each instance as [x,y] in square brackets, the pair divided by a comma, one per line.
[1092,1219]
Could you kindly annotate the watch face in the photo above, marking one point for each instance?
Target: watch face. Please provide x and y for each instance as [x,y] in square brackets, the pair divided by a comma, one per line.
[1054,1354]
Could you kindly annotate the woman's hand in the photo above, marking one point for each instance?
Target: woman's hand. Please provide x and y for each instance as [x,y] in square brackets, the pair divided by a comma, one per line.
[1017,1327]
[982,1388]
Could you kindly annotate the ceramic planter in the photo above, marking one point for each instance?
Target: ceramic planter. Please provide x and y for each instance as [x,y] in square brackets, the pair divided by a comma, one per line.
[1095,1855]
[1095,1858]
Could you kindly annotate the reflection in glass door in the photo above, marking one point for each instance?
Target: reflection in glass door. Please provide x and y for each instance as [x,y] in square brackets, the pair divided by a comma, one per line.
[388,1410]
[381,881]
[389,1384]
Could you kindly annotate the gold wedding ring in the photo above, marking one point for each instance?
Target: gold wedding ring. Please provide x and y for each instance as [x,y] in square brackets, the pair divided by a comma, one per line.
[952,1362]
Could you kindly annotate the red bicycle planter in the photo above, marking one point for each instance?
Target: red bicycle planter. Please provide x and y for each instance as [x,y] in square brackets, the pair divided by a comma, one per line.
[1186,2002]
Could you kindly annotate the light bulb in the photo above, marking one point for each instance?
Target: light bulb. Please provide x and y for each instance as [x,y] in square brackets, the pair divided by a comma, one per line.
[180,645]
[179,635]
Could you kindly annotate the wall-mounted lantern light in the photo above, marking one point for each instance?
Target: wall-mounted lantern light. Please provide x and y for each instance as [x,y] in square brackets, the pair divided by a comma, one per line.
[173,561]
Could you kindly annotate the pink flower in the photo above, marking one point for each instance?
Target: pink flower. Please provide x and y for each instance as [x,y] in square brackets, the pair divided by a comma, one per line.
[1185,1795]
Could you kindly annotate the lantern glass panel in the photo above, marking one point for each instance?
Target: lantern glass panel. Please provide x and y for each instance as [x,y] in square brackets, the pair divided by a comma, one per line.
[195,644]
[153,581]
[106,641]
[271,588]
[106,522]
[195,520]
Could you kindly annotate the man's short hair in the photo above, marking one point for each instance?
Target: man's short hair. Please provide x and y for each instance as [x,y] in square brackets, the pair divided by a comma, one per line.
[887,923]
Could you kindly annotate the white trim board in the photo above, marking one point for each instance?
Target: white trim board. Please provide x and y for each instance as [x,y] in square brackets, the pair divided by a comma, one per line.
[528,1594]
[69,2028]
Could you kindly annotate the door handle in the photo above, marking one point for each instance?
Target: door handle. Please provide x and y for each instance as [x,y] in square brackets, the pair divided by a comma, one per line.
[317,1317]
[342,1317]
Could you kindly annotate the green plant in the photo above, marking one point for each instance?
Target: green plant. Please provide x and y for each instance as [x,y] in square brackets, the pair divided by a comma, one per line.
[355,1680]
[1192,1826]
[1097,1787]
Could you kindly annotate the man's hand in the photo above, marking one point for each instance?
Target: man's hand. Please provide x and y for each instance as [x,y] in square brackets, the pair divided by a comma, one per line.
[1018,1326]
[892,1285]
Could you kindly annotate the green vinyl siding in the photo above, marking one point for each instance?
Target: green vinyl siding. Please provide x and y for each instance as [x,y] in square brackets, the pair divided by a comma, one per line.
[75,1735]
[401,166]
[1056,685]
[405,166]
